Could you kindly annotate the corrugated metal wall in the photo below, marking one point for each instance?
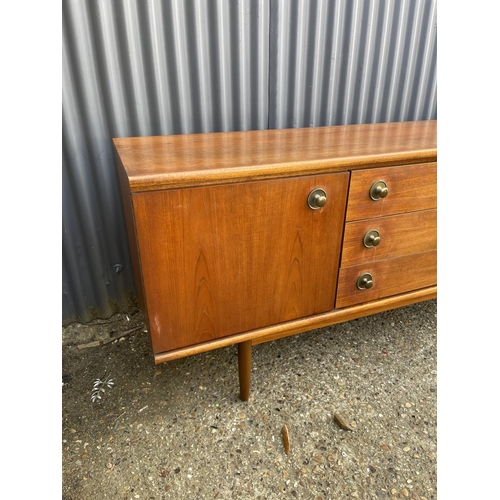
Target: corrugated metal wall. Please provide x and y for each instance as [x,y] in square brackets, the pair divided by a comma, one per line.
[358,61]
[133,67]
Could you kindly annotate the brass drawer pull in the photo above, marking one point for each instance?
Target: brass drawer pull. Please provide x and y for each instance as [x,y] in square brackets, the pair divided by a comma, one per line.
[379,190]
[371,238]
[316,199]
[365,281]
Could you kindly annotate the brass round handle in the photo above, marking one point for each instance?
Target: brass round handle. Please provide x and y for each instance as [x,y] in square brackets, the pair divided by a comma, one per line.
[320,200]
[371,238]
[379,190]
[316,199]
[365,281]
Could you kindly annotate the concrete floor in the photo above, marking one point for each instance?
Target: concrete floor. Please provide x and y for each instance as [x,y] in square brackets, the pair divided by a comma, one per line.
[179,430]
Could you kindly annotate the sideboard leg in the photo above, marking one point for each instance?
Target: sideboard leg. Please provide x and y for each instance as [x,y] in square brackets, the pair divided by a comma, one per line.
[245,368]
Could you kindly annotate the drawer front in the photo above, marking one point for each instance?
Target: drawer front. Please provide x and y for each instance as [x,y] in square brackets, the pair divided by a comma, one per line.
[390,277]
[409,188]
[399,235]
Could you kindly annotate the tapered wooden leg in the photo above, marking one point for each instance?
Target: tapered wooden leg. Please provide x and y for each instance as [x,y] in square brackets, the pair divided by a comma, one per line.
[245,368]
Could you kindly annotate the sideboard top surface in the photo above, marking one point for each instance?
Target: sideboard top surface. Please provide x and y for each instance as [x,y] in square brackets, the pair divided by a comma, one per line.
[173,161]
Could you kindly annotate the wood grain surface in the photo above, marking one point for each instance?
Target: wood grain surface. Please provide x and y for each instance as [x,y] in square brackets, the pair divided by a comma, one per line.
[226,259]
[390,277]
[411,188]
[160,162]
[300,325]
[402,234]
[132,241]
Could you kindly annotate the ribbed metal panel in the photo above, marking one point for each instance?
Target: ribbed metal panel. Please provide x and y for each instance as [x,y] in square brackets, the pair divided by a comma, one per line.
[144,68]
[339,62]
[133,68]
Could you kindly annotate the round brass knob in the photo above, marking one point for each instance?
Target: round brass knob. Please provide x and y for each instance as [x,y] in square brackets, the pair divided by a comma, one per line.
[365,281]
[379,190]
[371,238]
[316,199]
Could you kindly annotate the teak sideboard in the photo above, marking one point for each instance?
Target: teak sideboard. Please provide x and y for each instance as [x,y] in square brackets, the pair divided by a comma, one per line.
[246,237]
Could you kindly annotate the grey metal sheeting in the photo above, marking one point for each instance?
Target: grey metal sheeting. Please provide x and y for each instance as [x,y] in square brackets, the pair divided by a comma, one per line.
[135,68]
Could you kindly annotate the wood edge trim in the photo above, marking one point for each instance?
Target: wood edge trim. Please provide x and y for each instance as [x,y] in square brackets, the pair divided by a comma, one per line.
[128,205]
[139,184]
[302,325]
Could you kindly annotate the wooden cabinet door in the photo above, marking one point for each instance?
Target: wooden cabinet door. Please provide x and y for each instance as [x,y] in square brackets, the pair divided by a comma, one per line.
[220,260]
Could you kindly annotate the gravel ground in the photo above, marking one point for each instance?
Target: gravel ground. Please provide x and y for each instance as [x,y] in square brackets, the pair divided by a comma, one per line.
[179,430]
